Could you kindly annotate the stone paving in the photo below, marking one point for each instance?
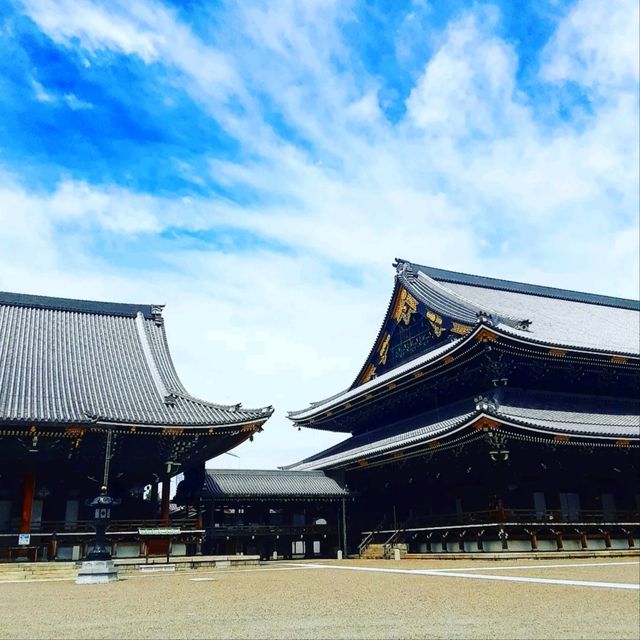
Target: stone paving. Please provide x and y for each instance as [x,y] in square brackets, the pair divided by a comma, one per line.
[350,599]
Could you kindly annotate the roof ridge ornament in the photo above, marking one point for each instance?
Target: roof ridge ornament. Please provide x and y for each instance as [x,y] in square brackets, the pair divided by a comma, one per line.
[404,268]
[486,318]
[487,404]
[156,312]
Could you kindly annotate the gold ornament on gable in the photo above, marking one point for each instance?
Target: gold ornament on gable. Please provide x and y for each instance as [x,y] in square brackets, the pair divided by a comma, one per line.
[406,305]
[383,351]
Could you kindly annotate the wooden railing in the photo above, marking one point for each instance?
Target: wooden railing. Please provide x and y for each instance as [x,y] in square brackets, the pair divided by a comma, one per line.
[50,527]
[370,536]
[514,516]
[270,529]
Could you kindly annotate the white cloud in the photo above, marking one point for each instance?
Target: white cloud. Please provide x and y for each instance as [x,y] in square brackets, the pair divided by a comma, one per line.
[474,178]
[468,86]
[596,45]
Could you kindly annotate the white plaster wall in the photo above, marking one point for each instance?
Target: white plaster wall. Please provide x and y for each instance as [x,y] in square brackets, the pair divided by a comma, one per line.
[596,543]
[547,545]
[128,550]
[570,544]
[619,543]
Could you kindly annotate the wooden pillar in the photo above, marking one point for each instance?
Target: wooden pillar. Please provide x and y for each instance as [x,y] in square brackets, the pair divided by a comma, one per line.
[559,543]
[28,490]
[154,497]
[583,540]
[53,548]
[534,541]
[630,540]
[164,508]
[607,540]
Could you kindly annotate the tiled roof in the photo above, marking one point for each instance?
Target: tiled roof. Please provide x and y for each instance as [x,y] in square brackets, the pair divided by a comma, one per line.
[557,316]
[252,483]
[554,415]
[75,361]
[379,443]
[455,277]
[533,313]
[583,415]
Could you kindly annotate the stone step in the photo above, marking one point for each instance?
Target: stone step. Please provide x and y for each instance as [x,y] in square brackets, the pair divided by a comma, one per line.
[37,571]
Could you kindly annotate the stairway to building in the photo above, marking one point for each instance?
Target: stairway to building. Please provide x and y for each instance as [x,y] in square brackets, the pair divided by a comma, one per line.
[373,551]
[383,551]
[14,571]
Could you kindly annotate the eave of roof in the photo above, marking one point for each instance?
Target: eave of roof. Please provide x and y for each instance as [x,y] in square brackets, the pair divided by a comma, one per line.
[275,484]
[585,425]
[375,383]
[431,358]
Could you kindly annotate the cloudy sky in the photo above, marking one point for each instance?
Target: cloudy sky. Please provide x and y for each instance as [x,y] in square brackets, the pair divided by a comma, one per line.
[257,166]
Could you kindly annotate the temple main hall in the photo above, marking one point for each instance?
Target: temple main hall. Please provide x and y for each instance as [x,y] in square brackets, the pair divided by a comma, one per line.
[489,415]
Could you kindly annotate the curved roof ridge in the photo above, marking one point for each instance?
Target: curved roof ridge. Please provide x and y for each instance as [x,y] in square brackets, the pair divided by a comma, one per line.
[157,337]
[150,358]
[407,275]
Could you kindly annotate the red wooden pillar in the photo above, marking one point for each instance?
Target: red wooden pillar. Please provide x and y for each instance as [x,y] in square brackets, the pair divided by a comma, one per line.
[164,508]
[28,490]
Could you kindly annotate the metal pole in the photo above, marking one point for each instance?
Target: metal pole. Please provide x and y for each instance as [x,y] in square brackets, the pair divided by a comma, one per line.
[107,458]
[344,526]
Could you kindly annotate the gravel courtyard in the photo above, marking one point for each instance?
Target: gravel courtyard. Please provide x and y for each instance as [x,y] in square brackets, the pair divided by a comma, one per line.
[351,599]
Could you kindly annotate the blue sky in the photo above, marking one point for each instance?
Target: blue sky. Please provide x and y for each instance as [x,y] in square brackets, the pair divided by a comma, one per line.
[257,166]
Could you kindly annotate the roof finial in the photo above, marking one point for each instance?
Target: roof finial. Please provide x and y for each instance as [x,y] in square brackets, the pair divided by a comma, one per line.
[403,267]
[156,312]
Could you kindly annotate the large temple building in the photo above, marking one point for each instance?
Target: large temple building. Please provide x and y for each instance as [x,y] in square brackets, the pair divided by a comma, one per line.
[89,396]
[490,415]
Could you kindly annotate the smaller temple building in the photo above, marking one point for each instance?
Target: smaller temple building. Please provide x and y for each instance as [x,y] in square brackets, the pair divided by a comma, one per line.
[89,397]
[274,514]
